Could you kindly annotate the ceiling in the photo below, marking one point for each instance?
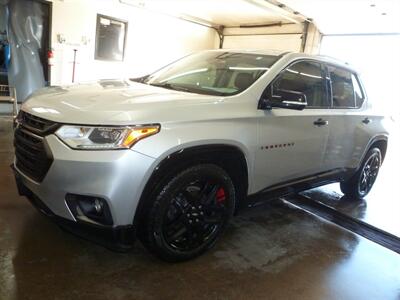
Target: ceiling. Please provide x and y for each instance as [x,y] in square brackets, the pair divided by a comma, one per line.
[351,16]
[330,16]
[229,13]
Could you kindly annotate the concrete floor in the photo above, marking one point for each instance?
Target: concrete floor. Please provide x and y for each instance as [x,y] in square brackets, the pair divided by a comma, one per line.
[275,251]
[381,206]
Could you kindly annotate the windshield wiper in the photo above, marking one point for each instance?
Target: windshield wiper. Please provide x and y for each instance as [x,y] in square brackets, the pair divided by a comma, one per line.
[189,89]
[171,86]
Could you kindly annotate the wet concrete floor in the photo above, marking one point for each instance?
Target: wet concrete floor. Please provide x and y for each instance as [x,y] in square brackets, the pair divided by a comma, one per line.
[381,206]
[274,251]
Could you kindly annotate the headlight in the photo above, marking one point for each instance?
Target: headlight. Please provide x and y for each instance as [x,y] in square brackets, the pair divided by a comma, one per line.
[104,138]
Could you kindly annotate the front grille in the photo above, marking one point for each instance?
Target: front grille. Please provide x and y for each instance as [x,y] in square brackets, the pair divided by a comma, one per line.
[33,157]
[35,124]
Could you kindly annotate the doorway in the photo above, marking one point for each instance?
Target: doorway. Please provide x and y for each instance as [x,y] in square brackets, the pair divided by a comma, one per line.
[376,57]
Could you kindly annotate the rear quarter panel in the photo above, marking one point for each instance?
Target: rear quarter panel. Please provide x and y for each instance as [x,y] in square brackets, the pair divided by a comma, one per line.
[366,134]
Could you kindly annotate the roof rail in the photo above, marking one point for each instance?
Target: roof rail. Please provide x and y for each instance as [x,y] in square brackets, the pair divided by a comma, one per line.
[284,53]
[334,58]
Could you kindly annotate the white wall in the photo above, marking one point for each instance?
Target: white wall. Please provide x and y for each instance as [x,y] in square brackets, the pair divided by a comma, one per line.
[153,40]
[313,39]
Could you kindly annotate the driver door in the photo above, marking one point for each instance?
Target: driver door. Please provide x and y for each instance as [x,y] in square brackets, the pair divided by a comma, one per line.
[291,143]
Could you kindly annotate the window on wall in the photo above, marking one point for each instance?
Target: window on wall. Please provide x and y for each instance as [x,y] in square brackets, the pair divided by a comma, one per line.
[110,38]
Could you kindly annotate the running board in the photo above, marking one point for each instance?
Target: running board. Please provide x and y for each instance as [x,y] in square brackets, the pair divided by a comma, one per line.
[357,226]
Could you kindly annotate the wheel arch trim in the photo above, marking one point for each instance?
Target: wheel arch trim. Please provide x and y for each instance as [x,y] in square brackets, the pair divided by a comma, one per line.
[186,153]
[377,138]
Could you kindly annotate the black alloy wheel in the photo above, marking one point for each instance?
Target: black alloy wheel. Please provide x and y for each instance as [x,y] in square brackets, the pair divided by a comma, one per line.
[369,173]
[188,213]
[361,183]
[195,215]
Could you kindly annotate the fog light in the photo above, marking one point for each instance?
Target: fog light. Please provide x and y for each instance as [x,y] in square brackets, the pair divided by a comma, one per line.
[98,206]
[89,209]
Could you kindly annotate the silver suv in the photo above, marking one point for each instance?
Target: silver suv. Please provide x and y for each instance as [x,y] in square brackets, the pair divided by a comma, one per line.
[171,156]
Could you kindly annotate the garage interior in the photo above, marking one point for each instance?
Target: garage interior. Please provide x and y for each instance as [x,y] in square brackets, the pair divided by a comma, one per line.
[314,245]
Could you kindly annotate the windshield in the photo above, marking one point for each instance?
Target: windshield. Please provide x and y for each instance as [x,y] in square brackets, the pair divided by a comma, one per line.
[213,73]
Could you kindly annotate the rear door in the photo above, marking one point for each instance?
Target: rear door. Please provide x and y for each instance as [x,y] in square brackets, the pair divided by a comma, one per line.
[348,121]
[291,142]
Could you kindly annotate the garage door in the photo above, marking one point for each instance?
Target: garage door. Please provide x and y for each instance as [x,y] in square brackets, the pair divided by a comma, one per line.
[281,42]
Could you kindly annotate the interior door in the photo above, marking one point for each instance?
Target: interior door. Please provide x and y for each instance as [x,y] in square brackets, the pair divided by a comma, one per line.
[291,142]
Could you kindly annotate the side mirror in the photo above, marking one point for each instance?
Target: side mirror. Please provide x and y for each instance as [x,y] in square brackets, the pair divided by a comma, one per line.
[284,99]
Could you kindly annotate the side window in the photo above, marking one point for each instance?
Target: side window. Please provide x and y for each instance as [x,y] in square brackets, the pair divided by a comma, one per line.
[358,93]
[342,87]
[304,78]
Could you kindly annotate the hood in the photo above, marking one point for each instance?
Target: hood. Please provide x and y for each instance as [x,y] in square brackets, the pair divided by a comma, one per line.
[113,102]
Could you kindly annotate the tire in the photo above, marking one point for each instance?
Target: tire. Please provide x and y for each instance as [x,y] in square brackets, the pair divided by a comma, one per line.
[188,213]
[361,183]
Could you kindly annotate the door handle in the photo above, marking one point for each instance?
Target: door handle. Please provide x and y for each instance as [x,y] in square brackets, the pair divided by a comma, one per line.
[321,122]
[366,121]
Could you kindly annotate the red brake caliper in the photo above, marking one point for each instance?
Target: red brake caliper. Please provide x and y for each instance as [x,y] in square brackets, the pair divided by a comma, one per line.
[221,195]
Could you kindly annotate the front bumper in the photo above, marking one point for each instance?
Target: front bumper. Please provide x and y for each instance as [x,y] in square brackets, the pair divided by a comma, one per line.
[117,176]
[117,238]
